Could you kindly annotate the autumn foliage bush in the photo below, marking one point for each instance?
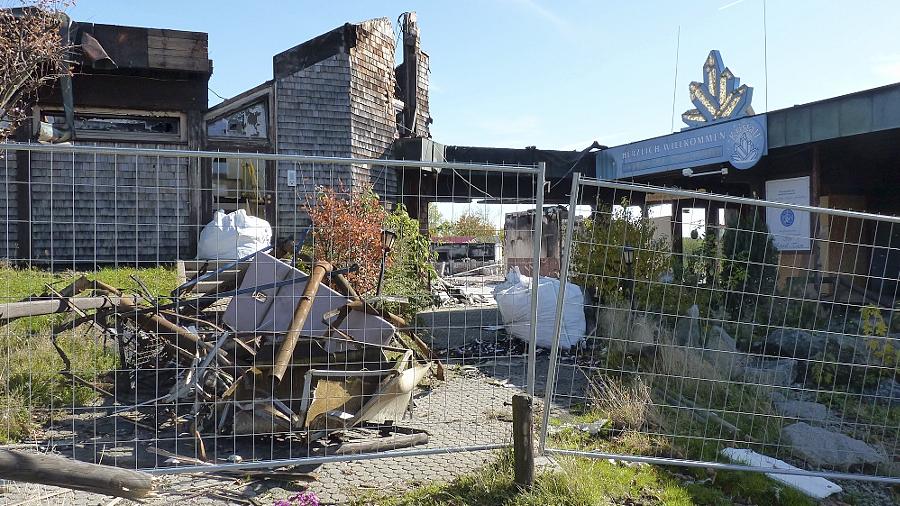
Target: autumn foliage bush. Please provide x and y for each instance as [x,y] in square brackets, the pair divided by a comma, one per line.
[347,230]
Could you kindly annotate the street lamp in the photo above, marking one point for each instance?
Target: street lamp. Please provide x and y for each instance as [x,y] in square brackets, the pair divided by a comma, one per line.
[628,259]
[628,255]
[387,242]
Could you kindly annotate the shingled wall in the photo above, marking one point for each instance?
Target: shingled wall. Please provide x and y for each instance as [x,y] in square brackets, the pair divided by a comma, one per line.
[372,86]
[340,106]
[312,118]
[110,209]
[423,114]
[9,206]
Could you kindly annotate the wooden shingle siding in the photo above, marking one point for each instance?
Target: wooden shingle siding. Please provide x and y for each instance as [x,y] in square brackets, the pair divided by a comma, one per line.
[109,209]
[422,111]
[9,207]
[341,106]
[373,119]
[312,118]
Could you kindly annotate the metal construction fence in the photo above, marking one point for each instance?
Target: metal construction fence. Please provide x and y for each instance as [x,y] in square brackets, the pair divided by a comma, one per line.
[728,332]
[143,328]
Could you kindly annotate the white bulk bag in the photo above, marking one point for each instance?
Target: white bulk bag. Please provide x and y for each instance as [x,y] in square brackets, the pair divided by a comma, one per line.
[232,236]
[514,302]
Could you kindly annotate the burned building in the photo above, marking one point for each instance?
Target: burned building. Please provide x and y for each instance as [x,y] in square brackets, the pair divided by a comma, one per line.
[341,94]
[337,95]
[143,87]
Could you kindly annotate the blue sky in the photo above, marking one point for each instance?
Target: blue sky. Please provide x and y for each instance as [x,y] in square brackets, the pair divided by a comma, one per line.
[561,74]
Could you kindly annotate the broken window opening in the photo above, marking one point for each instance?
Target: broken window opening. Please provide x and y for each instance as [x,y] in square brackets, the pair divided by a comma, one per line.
[113,125]
[239,183]
[248,123]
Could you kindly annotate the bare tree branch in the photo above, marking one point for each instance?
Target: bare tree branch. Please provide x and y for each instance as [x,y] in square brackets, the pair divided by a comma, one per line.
[32,56]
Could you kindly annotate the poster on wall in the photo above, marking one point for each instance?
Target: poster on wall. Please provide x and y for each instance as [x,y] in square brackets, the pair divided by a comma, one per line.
[789,227]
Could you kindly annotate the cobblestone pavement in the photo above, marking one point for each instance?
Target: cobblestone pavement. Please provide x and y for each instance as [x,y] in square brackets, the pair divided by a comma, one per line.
[468,409]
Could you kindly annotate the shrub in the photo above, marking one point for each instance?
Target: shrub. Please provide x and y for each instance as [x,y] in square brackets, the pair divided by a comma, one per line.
[883,348]
[842,369]
[411,267]
[749,266]
[347,230]
[702,260]
[598,253]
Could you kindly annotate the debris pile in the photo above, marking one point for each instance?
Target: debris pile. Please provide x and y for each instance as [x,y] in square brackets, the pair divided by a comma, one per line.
[271,351]
[459,290]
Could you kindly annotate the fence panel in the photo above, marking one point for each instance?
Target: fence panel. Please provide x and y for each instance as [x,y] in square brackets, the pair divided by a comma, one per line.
[762,331]
[120,346]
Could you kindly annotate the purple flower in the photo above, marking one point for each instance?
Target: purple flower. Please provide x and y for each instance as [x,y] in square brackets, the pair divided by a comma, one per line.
[305,499]
[299,499]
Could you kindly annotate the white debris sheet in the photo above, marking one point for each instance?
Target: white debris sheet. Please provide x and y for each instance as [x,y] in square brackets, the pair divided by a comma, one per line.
[817,488]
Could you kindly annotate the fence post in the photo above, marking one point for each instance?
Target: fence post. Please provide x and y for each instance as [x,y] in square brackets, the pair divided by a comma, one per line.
[561,297]
[536,240]
[523,440]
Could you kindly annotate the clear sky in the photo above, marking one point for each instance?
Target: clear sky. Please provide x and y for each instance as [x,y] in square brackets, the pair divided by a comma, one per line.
[557,74]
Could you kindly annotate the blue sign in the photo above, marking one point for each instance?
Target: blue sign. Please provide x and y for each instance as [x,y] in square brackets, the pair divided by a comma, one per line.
[740,142]
[787,217]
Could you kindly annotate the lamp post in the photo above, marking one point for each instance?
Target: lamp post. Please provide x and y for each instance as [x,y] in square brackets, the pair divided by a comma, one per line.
[628,259]
[387,241]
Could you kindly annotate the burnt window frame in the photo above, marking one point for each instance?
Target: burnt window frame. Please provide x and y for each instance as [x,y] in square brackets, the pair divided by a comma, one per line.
[99,135]
[263,139]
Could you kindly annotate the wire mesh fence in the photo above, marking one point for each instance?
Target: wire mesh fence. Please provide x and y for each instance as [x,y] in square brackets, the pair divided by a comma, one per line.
[729,332]
[179,311]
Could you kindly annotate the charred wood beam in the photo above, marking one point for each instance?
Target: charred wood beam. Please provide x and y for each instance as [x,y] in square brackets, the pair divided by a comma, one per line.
[62,472]
[14,310]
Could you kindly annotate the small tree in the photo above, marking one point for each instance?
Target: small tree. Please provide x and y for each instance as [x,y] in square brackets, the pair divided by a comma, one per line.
[598,253]
[32,56]
[474,225]
[749,266]
[411,268]
[437,225]
[347,230]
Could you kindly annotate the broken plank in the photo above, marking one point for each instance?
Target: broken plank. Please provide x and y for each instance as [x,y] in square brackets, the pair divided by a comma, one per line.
[187,460]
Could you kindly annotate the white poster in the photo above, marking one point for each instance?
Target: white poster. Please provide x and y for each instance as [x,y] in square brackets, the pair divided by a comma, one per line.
[789,228]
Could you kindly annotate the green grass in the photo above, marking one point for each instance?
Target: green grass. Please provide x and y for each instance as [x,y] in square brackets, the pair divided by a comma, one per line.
[31,387]
[596,482]
[20,283]
[862,410]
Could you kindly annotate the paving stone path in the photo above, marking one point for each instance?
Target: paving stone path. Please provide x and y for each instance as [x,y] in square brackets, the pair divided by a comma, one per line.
[469,409]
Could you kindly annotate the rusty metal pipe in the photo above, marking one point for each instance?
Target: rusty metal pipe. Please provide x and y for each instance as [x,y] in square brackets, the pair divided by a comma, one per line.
[159,325]
[286,351]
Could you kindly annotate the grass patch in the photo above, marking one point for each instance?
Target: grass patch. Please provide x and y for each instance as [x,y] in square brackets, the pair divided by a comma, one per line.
[675,400]
[20,283]
[592,481]
[31,387]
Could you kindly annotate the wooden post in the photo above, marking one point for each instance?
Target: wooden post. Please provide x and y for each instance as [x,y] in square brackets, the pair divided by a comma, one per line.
[677,240]
[62,472]
[523,440]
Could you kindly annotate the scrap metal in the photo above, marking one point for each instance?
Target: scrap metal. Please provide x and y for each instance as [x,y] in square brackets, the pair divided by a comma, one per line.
[234,359]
